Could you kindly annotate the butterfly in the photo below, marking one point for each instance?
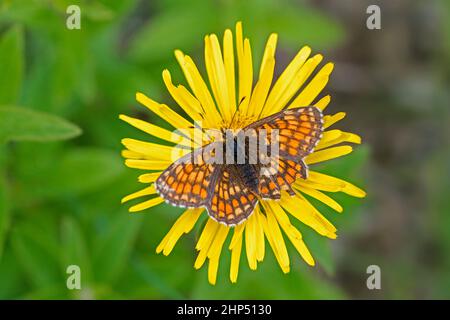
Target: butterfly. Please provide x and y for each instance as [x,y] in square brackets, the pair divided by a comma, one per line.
[230,191]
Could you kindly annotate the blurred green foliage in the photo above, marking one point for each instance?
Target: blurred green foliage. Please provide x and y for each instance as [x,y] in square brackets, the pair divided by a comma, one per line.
[61,174]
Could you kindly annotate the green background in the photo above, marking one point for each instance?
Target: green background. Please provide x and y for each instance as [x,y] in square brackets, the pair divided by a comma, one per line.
[62,176]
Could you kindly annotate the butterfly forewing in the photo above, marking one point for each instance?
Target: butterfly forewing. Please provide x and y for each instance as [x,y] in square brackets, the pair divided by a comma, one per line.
[186,182]
[298,131]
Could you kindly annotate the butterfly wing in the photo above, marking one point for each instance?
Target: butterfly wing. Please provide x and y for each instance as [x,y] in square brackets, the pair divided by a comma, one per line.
[186,182]
[231,202]
[299,131]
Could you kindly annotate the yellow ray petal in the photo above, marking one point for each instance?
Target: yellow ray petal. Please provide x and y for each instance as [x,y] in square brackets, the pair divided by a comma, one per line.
[285,80]
[149,177]
[328,136]
[146,204]
[184,99]
[317,185]
[262,87]
[238,231]
[216,246]
[245,67]
[321,197]
[323,103]
[273,232]
[147,164]
[154,151]
[235,256]
[128,154]
[213,266]
[312,90]
[327,154]
[199,88]
[156,131]
[343,137]
[269,52]
[293,234]
[329,120]
[250,242]
[214,252]
[217,75]
[228,61]
[204,242]
[302,210]
[299,79]
[345,186]
[184,224]
[163,111]
[259,238]
[144,192]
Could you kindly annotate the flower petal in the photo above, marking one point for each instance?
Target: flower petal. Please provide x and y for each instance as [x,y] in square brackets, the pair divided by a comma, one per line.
[183,98]
[321,197]
[312,90]
[250,242]
[149,177]
[154,151]
[217,75]
[285,80]
[327,154]
[293,234]
[345,186]
[214,252]
[146,204]
[329,120]
[342,137]
[147,164]
[245,67]
[323,103]
[199,88]
[163,111]
[141,193]
[184,224]
[262,87]
[276,241]
[235,255]
[228,61]
[204,242]
[156,131]
[302,210]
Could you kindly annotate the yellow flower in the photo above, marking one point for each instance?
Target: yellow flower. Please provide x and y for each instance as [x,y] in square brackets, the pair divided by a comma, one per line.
[215,110]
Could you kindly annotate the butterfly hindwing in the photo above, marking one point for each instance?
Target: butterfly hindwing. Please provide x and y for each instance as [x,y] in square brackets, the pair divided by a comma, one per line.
[279,176]
[231,201]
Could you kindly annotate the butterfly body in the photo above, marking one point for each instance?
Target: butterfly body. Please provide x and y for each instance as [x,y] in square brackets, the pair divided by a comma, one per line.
[230,190]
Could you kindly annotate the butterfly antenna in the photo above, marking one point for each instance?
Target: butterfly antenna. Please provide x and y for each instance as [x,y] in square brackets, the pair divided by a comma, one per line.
[237,111]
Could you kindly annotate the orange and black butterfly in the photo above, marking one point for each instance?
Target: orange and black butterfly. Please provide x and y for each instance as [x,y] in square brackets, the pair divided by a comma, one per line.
[230,191]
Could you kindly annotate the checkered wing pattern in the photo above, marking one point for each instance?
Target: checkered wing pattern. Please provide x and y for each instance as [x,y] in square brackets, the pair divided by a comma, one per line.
[299,131]
[279,176]
[232,202]
[186,182]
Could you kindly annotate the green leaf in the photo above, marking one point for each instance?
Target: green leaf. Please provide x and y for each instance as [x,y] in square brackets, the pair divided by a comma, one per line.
[11,65]
[36,248]
[4,213]
[74,248]
[113,248]
[170,30]
[81,170]
[4,200]
[21,124]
